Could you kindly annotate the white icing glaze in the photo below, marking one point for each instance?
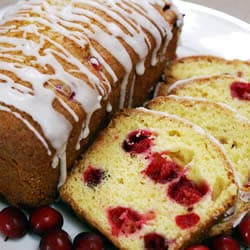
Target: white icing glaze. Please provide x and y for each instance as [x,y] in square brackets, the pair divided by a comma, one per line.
[230,109]
[230,213]
[158,86]
[235,112]
[239,219]
[63,165]
[244,195]
[33,104]
[68,19]
[131,94]
[183,82]
[140,68]
[194,126]
[109,108]
[29,125]
[180,18]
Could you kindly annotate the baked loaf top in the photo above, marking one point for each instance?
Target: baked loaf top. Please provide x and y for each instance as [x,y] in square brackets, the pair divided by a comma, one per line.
[62,61]
[226,89]
[151,180]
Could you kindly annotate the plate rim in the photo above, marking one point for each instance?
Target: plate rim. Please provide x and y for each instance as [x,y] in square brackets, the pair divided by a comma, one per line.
[214,12]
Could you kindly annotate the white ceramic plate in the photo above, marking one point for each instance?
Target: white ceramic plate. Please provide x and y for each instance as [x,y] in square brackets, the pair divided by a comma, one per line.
[206,31]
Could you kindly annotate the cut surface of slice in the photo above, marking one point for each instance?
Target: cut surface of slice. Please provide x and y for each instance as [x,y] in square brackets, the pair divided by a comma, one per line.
[164,181]
[225,89]
[197,66]
[227,127]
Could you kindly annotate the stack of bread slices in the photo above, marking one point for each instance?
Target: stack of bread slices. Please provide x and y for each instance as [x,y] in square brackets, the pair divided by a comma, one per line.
[214,93]
[170,174]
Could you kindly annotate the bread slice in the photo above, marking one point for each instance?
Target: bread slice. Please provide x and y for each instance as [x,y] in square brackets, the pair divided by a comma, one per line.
[200,66]
[151,180]
[226,89]
[227,127]
[196,66]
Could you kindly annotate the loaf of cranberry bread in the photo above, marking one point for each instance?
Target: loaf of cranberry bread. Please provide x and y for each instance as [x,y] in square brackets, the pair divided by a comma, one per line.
[230,90]
[151,181]
[230,129]
[66,67]
[200,66]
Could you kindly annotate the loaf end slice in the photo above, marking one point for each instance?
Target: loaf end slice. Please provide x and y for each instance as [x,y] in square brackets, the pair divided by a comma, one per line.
[203,66]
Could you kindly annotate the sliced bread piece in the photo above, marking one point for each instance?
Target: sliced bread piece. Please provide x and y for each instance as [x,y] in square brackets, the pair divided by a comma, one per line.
[196,66]
[151,181]
[200,66]
[227,127]
[226,89]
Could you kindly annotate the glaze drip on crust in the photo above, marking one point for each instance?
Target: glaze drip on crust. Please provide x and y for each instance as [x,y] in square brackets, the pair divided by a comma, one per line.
[42,71]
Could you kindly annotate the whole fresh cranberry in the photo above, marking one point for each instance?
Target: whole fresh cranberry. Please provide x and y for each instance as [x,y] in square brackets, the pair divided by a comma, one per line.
[45,219]
[224,243]
[88,241]
[13,222]
[243,230]
[198,247]
[155,241]
[55,240]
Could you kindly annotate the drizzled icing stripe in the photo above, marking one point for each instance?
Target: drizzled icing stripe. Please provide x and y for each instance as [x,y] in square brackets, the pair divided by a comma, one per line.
[131,92]
[68,19]
[33,104]
[137,38]
[32,128]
